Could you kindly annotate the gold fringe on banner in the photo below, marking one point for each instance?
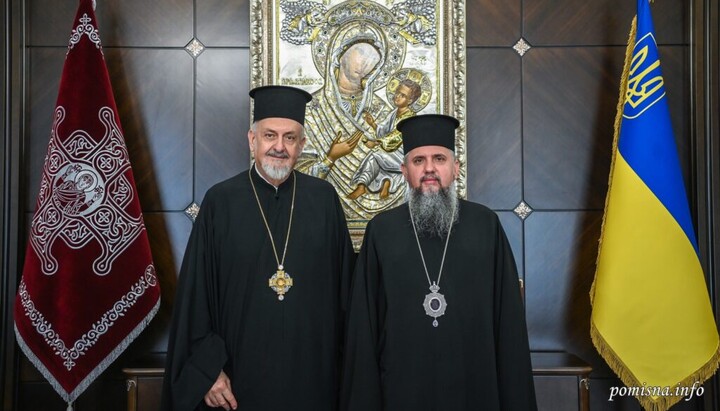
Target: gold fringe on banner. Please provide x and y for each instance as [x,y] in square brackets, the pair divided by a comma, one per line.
[616,135]
[647,402]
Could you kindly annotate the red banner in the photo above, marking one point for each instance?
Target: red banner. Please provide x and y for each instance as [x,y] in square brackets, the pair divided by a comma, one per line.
[88,286]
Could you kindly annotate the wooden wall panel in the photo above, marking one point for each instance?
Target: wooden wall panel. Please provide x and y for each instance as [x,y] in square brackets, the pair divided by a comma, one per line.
[223,23]
[44,70]
[599,22]
[494,139]
[169,232]
[121,23]
[153,91]
[556,393]
[154,94]
[568,22]
[569,101]
[141,23]
[560,253]
[513,227]
[676,74]
[493,22]
[50,24]
[223,117]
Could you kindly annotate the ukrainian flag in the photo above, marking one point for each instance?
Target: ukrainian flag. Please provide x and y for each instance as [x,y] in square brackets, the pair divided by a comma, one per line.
[651,316]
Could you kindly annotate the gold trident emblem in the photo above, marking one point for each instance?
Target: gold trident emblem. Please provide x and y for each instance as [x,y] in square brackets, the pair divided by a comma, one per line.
[280,282]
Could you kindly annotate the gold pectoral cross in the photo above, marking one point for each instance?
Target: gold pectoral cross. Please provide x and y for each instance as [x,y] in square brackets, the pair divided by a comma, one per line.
[280,282]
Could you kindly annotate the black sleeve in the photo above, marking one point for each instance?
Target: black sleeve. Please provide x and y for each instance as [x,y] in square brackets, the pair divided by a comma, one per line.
[515,381]
[347,258]
[360,387]
[196,354]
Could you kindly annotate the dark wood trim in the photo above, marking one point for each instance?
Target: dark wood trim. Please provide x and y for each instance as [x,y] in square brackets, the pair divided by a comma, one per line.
[12,123]
[137,379]
[705,103]
[142,383]
[558,363]
[4,16]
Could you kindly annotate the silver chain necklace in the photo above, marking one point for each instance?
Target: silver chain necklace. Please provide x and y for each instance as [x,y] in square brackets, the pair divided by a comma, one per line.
[434,303]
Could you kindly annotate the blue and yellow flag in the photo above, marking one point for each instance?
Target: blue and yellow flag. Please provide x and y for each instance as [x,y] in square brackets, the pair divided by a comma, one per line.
[652,320]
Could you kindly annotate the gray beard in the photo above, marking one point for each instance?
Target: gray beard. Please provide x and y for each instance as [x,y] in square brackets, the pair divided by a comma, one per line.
[276,173]
[433,211]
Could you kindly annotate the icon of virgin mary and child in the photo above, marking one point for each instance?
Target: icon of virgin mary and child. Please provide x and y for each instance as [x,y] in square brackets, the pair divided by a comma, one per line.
[359,61]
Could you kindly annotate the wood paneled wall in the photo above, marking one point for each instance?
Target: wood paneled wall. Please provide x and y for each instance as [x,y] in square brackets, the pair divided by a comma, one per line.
[540,129]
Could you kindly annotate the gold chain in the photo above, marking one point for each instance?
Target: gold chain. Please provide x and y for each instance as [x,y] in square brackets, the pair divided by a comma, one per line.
[292,208]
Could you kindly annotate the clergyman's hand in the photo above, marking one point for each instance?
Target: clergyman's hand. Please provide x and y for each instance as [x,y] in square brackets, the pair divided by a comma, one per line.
[220,394]
[342,148]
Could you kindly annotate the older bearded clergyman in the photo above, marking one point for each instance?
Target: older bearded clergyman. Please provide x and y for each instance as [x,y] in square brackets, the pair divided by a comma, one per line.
[436,320]
[259,310]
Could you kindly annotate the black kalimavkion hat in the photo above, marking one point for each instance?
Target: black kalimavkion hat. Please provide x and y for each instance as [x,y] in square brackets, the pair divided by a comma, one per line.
[280,101]
[428,130]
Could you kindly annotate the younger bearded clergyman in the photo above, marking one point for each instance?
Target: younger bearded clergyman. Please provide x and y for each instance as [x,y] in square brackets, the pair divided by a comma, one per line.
[436,320]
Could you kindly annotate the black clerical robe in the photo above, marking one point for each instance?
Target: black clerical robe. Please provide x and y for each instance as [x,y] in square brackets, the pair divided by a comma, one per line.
[478,356]
[279,355]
